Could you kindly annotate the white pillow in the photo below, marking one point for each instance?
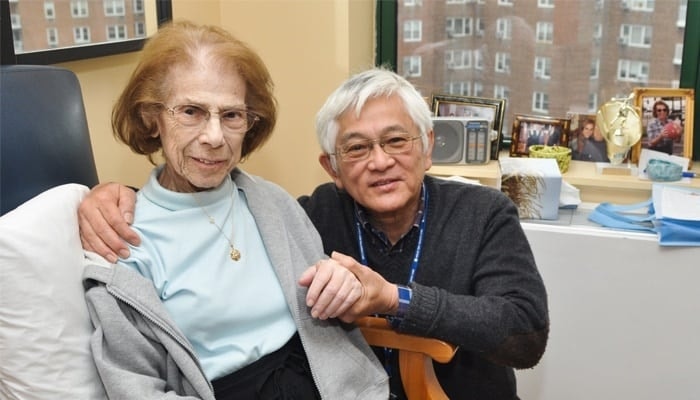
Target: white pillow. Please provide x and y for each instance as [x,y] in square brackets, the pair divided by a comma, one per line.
[44,323]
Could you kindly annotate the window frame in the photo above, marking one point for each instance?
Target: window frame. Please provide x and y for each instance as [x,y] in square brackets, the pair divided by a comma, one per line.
[54,56]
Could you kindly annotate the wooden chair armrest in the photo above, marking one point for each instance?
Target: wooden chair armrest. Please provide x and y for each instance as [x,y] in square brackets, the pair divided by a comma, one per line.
[415,357]
[378,332]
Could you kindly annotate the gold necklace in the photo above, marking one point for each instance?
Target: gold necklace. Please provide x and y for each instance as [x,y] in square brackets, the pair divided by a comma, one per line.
[234,253]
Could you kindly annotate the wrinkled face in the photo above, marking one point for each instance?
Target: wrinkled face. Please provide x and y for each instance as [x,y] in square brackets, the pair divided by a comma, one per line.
[386,184]
[201,157]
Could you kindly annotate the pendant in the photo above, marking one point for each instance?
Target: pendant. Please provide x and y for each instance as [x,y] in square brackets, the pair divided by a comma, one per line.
[235,254]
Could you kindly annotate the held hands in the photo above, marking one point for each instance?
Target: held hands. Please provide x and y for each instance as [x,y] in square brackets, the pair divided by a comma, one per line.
[342,288]
[104,216]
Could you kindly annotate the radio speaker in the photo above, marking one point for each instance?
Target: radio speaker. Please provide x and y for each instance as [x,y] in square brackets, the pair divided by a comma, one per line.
[461,140]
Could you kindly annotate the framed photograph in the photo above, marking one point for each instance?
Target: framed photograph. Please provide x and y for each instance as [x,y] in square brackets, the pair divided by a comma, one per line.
[476,107]
[667,121]
[529,130]
[585,139]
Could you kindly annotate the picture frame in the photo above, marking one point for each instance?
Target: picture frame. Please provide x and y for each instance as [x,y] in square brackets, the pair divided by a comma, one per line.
[585,139]
[446,105]
[529,130]
[678,138]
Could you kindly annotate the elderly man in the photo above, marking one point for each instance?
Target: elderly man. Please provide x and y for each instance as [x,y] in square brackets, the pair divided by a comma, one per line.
[440,259]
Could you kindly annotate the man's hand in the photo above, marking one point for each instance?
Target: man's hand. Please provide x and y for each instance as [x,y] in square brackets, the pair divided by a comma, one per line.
[377,296]
[333,289]
[104,216]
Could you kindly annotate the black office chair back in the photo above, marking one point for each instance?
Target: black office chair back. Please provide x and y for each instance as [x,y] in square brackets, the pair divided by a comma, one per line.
[44,138]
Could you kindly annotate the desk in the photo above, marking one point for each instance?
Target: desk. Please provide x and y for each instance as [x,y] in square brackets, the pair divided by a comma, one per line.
[624,311]
[594,187]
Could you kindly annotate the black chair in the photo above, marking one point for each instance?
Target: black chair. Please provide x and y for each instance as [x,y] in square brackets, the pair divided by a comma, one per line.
[44,138]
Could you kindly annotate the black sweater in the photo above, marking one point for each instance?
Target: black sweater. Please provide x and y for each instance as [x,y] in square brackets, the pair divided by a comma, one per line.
[477,285]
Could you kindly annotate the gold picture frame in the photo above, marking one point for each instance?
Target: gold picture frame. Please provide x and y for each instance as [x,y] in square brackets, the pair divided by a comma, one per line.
[529,130]
[681,106]
[446,105]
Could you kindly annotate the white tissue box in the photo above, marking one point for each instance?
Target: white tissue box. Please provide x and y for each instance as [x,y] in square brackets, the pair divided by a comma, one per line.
[534,185]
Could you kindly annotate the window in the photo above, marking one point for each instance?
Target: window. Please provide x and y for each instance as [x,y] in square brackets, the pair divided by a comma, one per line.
[595,68]
[545,32]
[543,67]
[81,34]
[113,8]
[633,71]
[545,3]
[458,88]
[52,39]
[116,32]
[635,35]
[412,30]
[457,27]
[49,10]
[458,59]
[503,28]
[638,5]
[540,102]
[502,63]
[79,8]
[578,69]
[412,66]
[139,7]
[478,89]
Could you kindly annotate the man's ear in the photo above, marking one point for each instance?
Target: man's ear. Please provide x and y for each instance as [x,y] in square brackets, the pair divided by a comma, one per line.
[429,154]
[325,161]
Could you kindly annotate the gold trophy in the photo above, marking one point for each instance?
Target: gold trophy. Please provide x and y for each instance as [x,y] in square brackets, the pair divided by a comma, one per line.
[619,122]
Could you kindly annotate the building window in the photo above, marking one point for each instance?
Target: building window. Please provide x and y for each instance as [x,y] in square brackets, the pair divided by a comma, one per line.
[79,9]
[595,68]
[501,92]
[593,103]
[505,3]
[682,11]
[49,10]
[545,3]
[478,89]
[458,88]
[458,59]
[139,29]
[545,32]
[114,8]
[52,37]
[633,71]
[81,35]
[502,63]
[139,7]
[503,28]
[478,59]
[412,66]
[638,5]
[540,102]
[457,27]
[635,35]
[116,32]
[412,30]
[543,67]
[678,54]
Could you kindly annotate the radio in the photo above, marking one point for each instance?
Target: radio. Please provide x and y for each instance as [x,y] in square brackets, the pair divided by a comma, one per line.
[460,140]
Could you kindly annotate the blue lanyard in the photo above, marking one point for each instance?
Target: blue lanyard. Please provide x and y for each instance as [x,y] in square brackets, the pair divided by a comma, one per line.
[419,246]
[388,353]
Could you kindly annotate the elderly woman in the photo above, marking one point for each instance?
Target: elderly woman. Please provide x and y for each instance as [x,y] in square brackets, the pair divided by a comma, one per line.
[229,294]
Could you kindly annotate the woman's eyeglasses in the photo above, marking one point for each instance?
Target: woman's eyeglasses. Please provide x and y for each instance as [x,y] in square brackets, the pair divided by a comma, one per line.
[193,116]
[662,110]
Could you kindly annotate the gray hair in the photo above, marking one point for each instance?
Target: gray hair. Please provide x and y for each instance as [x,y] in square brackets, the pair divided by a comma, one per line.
[356,91]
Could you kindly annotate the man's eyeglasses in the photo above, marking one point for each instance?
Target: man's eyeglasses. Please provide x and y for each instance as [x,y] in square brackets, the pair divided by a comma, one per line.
[662,110]
[359,149]
[193,116]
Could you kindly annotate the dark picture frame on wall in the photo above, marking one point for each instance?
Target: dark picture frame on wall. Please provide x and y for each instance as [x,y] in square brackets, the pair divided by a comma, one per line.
[447,105]
[530,130]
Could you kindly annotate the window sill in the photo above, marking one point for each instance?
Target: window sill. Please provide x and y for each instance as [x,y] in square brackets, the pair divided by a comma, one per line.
[594,187]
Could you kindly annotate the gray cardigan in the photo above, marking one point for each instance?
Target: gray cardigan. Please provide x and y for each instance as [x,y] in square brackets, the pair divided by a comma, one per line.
[141,354]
